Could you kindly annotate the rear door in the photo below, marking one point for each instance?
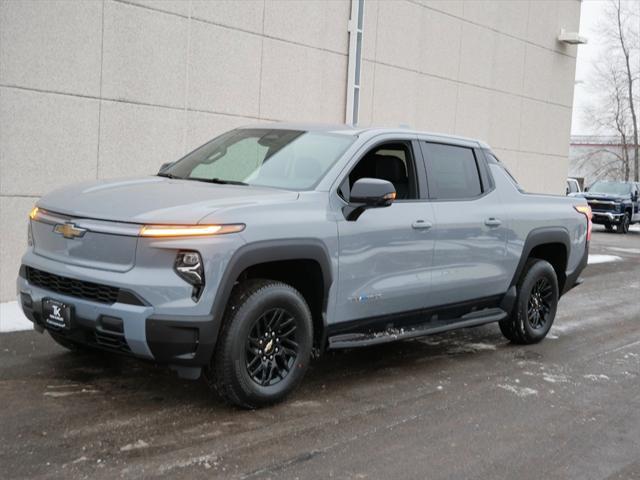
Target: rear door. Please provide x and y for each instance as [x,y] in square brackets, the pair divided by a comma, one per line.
[470,230]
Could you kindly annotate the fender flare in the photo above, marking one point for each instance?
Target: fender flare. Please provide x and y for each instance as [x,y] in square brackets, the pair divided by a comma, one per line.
[537,237]
[271,251]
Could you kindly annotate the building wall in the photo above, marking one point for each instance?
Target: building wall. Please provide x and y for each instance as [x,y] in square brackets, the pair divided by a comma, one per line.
[106,88]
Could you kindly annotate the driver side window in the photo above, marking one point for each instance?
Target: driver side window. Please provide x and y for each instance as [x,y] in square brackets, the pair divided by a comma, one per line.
[393,162]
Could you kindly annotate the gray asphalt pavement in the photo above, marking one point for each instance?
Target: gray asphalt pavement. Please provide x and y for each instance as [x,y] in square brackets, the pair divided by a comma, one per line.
[461,405]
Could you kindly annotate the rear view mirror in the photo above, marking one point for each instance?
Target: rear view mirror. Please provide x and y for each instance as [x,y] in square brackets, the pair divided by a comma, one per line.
[165,166]
[369,193]
[373,192]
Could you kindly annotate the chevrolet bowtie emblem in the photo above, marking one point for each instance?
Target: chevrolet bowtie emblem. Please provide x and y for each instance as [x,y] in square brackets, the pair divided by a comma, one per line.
[69,230]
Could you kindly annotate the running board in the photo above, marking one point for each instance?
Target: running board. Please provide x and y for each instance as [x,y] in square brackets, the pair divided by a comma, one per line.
[473,319]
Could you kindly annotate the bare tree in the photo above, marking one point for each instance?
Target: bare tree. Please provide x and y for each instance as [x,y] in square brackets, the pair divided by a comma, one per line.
[617,72]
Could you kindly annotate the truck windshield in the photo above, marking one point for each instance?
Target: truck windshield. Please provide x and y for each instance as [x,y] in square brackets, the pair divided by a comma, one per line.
[290,159]
[611,188]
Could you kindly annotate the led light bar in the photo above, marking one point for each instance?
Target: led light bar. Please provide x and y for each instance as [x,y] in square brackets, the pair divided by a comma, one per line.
[189,230]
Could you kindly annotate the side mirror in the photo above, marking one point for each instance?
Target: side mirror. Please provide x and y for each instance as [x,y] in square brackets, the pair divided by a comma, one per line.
[586,189]
[369,193]
[164,166]
[634,197]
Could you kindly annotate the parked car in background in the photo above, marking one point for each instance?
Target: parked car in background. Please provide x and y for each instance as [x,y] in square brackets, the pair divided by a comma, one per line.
[269,243]
[573,186]
[614,204]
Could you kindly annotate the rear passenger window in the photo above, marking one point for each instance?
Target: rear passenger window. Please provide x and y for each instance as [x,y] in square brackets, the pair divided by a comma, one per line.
[453,171]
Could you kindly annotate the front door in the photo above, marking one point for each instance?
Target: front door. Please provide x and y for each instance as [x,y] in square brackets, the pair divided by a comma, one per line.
[386,254]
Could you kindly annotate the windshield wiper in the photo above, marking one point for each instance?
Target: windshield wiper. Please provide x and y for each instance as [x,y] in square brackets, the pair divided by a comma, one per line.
[166,175]
[218,181]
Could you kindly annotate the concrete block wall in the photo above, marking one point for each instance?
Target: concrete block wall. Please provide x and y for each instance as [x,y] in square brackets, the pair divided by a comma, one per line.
[106,88]
[487,69]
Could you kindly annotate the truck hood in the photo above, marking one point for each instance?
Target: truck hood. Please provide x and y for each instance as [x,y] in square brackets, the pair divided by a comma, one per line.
[155,199]
[603,196]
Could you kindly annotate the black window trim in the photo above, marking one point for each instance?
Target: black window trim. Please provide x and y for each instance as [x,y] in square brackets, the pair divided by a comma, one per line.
[420,180]
[487,184]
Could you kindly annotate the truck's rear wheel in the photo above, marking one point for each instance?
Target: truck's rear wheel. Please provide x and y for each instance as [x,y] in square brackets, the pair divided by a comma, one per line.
[536,304]
[265,346]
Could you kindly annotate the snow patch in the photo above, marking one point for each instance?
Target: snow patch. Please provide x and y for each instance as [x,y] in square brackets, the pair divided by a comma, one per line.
[134,446]
[305,404]
[596,378]
[206,461]
[12,319]
[552,378]
[471,347]
[595,258]
[519,391]
[625,250]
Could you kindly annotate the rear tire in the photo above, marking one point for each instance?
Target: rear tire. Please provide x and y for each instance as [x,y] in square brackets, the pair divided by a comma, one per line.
[536,305]
[265,344]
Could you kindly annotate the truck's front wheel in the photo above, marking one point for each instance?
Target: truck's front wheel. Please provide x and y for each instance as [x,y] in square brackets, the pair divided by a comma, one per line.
[625,223]
[536,305]
[265,345]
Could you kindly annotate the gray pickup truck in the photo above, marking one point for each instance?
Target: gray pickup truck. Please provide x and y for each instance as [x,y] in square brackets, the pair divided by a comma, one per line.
[269,245]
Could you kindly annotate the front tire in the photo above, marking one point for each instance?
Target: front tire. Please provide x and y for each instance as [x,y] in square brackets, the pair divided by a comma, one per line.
[265,346]
[536,304]
[625,223]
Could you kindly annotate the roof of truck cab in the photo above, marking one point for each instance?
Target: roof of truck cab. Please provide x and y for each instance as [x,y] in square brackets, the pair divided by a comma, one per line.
[371,131]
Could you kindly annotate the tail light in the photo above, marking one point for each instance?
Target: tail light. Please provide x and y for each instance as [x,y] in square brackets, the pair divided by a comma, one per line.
[586,211]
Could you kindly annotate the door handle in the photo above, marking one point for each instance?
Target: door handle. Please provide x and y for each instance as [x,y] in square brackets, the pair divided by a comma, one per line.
[493,222]
[421,225]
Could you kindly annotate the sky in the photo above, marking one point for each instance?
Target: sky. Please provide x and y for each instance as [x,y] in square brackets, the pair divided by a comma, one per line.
[591,11]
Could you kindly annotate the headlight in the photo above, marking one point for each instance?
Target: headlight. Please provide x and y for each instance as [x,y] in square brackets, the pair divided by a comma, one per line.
[189,230]
[189,267]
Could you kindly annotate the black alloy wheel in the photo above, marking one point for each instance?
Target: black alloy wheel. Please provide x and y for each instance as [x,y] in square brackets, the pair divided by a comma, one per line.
[539,304]
[271,347]
[264,348]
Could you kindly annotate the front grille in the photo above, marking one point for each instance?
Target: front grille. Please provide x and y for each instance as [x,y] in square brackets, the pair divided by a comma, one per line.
[603,207]
[111,341]
[72,287]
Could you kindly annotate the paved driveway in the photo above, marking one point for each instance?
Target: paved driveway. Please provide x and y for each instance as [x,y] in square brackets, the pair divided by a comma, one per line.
[461,405]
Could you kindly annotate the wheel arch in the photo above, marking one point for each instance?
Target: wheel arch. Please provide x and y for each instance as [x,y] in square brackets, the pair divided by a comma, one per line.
[552,244]
[303,263]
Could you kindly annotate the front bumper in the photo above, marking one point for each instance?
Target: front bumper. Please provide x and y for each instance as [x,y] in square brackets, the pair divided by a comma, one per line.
[603,218]
[154,321]
[181,341]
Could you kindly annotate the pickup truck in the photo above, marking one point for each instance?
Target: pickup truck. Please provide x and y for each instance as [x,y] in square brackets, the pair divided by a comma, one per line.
[269,245]
[614,204]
